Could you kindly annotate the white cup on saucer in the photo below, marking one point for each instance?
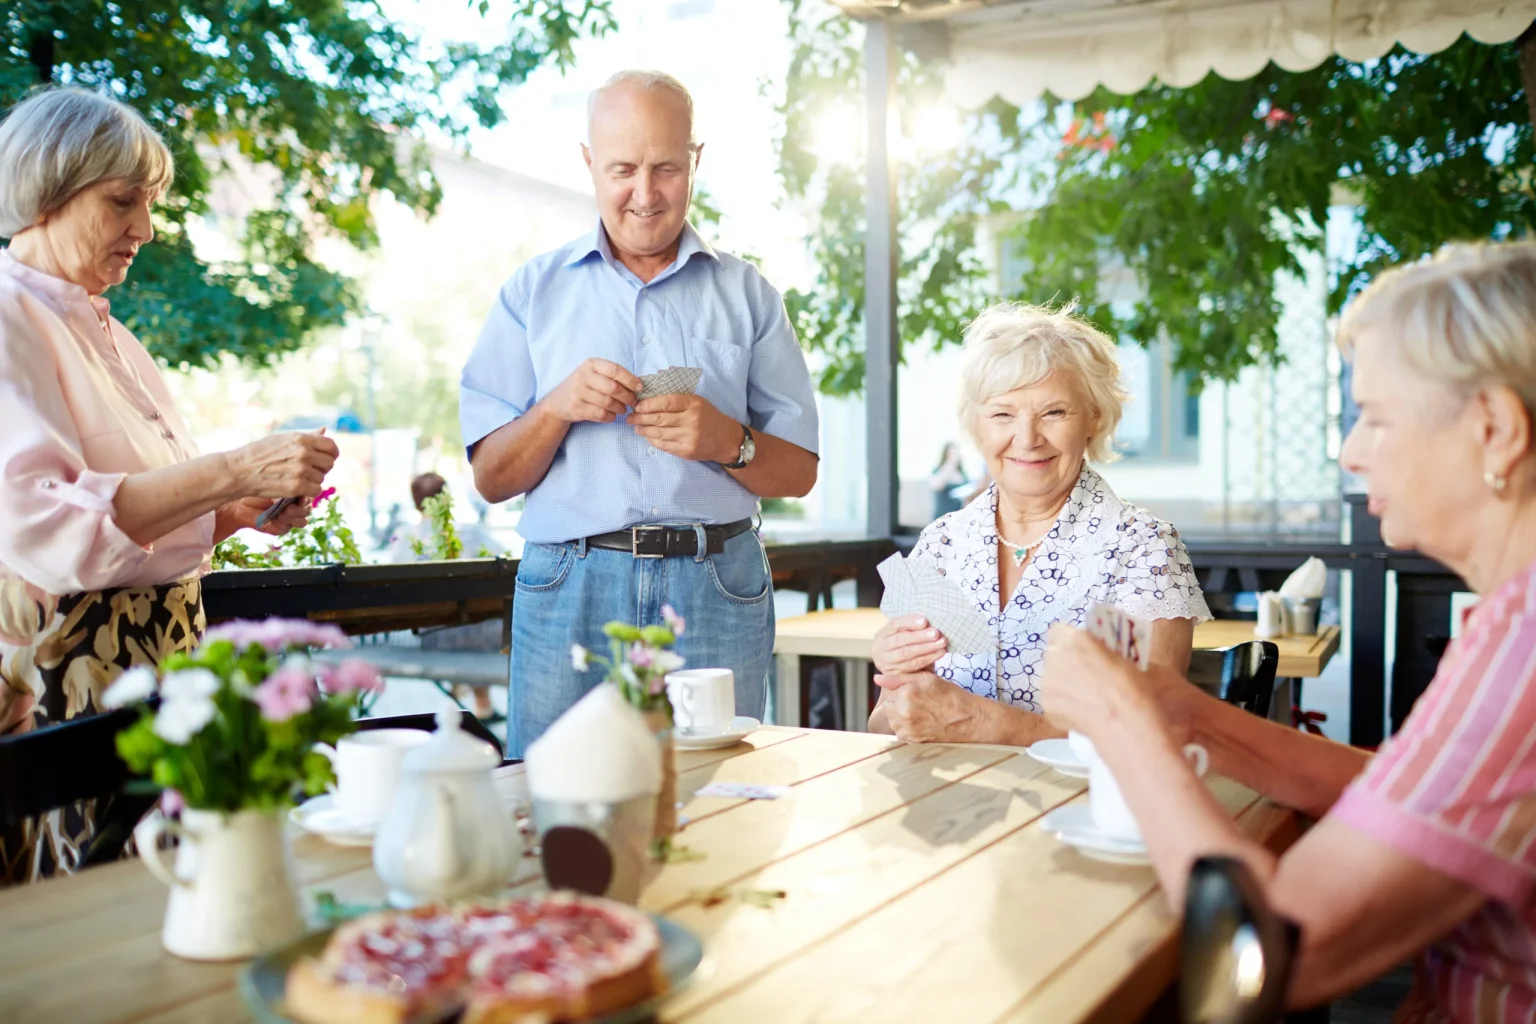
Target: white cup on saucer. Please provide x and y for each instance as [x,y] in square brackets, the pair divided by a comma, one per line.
[703,699]
[367,766]
[1111,814]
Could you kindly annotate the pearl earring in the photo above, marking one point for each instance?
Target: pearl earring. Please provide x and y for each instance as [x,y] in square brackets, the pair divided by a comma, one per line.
[1495,481]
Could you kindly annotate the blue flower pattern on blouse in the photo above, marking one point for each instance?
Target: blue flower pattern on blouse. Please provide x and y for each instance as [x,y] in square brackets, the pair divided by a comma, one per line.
[1100,550]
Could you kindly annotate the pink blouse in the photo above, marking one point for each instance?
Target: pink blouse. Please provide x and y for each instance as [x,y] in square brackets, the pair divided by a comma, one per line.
[79,411]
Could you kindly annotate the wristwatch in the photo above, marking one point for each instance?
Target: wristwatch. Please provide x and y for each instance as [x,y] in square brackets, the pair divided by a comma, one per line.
[748,450]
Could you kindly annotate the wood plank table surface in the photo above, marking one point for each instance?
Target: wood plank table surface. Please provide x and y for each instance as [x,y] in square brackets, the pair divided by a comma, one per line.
[918,886]
[847,634]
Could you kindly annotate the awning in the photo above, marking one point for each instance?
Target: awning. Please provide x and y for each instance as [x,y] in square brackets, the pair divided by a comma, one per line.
[1019,49]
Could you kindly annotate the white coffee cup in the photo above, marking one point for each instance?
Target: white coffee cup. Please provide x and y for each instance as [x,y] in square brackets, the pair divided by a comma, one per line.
[703,699]
[367,766]
[1111,814]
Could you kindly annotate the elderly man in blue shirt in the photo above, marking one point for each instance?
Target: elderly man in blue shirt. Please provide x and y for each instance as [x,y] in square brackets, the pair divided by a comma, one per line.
[632,504]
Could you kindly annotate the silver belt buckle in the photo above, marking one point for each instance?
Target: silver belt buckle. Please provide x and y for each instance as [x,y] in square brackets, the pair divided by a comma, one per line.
[634,540]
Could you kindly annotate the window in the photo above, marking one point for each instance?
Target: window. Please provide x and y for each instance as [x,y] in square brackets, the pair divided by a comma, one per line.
[1162,418]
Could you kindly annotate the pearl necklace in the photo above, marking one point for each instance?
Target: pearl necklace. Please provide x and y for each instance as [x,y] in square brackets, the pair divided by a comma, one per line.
[1023,551]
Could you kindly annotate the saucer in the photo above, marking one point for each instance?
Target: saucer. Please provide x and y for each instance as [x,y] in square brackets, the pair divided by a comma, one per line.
[738,730]
[1060,756]
[1074,826]
[321,816]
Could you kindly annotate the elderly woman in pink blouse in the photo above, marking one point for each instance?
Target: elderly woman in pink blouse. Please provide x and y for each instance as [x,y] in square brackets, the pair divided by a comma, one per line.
[108,514]
[1427,849]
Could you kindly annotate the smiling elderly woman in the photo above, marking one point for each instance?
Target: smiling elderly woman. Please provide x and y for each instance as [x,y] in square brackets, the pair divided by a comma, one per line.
[1429,847]
[1040,396]
[108,514]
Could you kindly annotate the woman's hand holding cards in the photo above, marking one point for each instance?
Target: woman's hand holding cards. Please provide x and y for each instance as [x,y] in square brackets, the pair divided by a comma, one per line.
[907,644]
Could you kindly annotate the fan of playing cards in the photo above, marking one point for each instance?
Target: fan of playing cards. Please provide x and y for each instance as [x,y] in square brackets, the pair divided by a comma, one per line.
[1124,634]
[916,588]
[674,380]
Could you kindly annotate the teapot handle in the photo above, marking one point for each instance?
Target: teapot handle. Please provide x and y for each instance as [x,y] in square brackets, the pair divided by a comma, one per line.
[147,837]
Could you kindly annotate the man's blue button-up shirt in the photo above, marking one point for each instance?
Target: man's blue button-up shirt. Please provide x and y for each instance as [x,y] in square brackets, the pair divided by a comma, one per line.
[708,309]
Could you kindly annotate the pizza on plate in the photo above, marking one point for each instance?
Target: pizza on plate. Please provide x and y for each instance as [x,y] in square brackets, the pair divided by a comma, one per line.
[559,957]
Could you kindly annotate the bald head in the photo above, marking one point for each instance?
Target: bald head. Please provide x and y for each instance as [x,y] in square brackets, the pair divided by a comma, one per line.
[655,89]
[641,152]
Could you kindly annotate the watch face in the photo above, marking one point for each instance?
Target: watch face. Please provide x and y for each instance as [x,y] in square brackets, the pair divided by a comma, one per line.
[748,450]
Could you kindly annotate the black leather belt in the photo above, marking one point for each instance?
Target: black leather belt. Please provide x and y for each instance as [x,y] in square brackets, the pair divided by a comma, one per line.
[669,541]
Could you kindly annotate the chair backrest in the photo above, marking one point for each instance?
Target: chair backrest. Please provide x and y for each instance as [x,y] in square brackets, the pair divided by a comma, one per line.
[1243,674]
[55,766]
[428,723]
[1235,953]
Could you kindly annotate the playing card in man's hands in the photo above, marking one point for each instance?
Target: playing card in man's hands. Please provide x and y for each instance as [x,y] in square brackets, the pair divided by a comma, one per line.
[674,380]
[274,510]
[917,588]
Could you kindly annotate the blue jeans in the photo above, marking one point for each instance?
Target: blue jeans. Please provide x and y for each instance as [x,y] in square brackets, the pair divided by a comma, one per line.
[567,592]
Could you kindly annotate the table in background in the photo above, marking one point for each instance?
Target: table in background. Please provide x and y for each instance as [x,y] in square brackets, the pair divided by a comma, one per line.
[918,886]
[847,634]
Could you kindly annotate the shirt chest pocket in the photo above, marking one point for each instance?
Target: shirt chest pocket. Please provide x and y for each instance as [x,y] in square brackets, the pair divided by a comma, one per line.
[724,382]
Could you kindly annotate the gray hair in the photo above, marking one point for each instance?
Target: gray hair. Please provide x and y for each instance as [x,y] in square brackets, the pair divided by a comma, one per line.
[1012,345]
[1465,317]
[59,141]
[646,81]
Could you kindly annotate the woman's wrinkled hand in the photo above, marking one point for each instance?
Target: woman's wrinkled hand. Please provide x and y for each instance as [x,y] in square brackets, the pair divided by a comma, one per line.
[288,465]
[907,645]
[1083,682]
[923,708]
[243,513]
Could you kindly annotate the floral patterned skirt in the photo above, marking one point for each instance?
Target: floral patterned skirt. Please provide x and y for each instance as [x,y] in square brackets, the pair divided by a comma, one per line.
[58,654]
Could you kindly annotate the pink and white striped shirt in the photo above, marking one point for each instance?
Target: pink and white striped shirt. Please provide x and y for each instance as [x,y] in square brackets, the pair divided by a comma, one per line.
[1456,791]
[81,407]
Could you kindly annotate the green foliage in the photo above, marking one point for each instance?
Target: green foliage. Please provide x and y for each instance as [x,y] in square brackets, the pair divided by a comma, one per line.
[639,660]
[240,759]
[1202,195]
[333,99]
[325,540]
[445,544]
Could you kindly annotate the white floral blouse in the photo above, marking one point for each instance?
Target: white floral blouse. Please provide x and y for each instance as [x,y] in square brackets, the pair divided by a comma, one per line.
[1100,550]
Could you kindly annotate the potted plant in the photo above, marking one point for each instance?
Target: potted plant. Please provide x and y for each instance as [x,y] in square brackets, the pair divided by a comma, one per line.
[639,659]
[227,733]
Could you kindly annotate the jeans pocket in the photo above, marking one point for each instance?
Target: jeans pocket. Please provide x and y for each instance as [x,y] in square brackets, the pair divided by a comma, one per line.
[740,572]
[543,566]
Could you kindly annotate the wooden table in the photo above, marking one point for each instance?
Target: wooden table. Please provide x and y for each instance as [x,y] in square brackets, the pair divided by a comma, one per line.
[847,633]
[918,887]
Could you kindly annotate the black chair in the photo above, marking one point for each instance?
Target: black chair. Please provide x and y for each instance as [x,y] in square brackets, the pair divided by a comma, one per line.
[1235,953]
[75,760]
[428,723]
[1243,674]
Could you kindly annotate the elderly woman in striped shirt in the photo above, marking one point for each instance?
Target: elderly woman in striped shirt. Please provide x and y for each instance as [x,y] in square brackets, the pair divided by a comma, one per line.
[1429,847]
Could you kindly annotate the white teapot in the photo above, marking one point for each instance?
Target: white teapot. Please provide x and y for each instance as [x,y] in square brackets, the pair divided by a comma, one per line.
[448,834]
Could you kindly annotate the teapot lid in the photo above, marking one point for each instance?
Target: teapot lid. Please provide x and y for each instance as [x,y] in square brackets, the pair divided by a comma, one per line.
[451,749]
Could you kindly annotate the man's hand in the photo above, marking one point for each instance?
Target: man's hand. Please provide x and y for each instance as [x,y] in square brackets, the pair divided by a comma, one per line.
[597,391]
[689,427]
[922,708]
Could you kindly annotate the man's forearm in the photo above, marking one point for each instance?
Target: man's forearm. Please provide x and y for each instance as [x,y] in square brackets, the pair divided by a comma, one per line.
[779,470]
[1289,766]
[512,459]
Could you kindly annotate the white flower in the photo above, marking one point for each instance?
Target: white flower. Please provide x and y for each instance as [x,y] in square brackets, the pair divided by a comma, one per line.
[179,720]
[628,672]
[579,657]
[133,686]
[189,684]
[666,661]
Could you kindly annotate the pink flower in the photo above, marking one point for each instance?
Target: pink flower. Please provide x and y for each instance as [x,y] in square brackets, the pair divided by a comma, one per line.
[640,656]
[171,801]
[658,686]
[328,492]
[675,622]
[277,635]
[287,692]
[352,675]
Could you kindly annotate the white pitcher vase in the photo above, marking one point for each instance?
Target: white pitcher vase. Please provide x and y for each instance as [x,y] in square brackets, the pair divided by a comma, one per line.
[232,891]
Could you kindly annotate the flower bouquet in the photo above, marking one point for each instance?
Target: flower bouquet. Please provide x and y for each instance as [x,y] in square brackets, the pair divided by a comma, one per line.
[228,735]
[639,660]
